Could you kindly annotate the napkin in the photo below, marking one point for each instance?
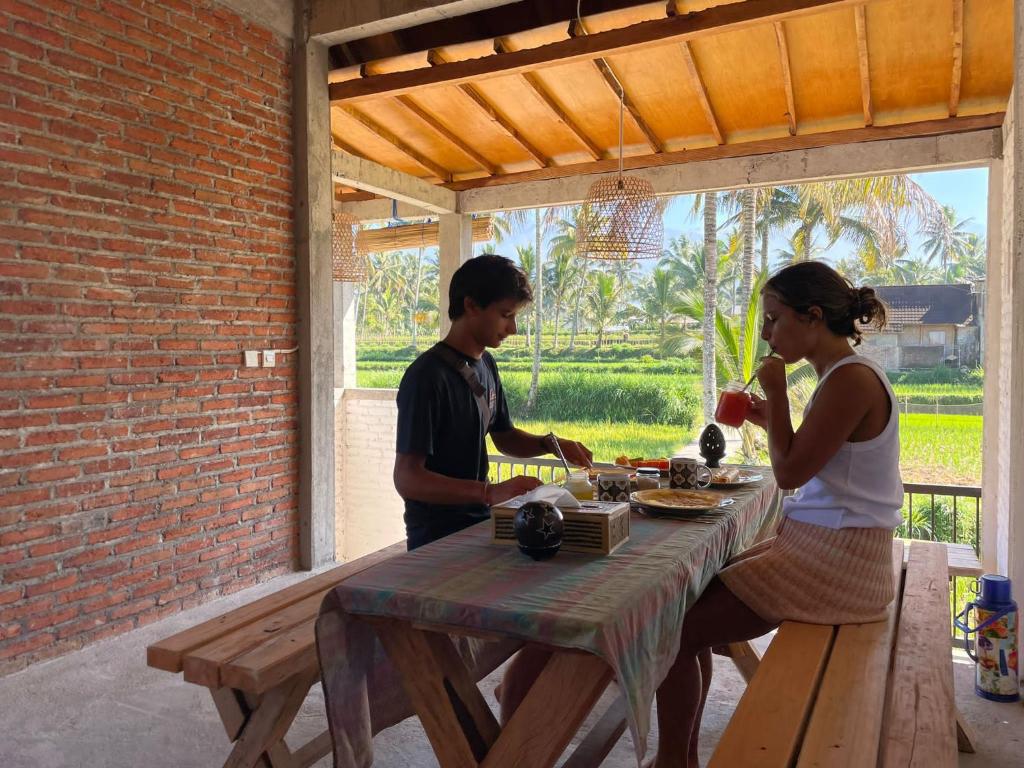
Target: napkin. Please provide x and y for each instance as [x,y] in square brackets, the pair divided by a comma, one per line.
[554,494]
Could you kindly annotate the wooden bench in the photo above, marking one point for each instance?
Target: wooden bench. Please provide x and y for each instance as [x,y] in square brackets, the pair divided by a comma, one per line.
[857,694]
[259,662]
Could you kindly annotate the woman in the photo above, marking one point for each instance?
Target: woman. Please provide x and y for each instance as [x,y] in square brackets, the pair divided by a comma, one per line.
[831,562]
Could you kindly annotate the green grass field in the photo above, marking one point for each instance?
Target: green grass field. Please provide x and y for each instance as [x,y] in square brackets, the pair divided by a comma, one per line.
[651,407]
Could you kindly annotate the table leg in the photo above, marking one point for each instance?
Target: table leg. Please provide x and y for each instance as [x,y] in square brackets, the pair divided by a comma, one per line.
[746,658]
[551,713]
[459,724]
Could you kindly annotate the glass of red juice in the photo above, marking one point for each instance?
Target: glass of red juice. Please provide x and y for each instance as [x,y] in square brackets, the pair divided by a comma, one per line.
[733,404]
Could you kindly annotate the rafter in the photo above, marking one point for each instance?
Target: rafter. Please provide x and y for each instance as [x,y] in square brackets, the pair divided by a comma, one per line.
[540,90]
[440,128]
[702,92]
[860,15]
[787,76]
[958,57]
[672,29]
[442,173]
[477,98]
[614,83]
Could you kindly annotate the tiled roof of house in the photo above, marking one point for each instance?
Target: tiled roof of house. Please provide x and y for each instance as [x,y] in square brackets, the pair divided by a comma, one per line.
[927,305]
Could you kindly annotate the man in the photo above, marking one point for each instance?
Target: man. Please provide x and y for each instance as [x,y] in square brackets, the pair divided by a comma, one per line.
[443,401]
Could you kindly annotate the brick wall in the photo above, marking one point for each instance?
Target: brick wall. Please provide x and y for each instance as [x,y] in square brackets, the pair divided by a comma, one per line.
[368,509]
[145,239]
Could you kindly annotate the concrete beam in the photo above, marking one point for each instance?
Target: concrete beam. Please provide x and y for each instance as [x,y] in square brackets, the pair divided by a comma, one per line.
[314,194]
[332,22]
[373,177]
[382,210]
[273,14]
[817,164]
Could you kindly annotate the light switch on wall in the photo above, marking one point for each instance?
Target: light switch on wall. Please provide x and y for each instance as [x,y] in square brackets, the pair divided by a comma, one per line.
[252,358]
[269,358]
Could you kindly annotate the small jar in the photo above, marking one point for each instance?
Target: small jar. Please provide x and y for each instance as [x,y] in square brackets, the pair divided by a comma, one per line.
[578,484]
[648,478]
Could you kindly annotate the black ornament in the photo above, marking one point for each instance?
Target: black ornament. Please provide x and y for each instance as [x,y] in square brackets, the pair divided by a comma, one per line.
[712,445]
[539,527]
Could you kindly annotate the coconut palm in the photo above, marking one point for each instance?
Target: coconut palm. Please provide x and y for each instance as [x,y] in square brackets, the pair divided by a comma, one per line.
[708,201]
[527,258]
[564,267]
[658,300]
[603,302]
[946,238]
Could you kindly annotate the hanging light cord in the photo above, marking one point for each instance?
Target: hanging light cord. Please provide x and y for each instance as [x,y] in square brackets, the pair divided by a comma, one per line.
[618,86]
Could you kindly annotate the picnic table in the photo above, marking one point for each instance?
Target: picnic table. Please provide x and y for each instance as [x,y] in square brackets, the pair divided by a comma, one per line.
[415,632]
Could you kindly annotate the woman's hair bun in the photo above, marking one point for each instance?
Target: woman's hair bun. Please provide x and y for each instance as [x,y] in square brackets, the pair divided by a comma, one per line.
[867,308]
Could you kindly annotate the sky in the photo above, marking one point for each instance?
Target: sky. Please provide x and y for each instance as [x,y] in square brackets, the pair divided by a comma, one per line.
[966,190]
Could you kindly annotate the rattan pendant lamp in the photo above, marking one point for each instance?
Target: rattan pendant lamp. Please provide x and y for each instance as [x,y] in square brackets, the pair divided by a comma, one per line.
[621,219]
[348,260]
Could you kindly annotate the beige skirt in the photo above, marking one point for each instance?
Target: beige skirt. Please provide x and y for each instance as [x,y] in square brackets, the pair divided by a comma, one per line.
[816,575]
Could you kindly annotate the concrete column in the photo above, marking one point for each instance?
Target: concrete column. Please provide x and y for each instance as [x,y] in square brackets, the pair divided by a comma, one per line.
[455,249]
[992,329]
[313,198]
[344,335]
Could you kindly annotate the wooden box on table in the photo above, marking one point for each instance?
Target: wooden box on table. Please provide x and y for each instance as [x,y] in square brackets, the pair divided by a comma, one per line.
[596,527]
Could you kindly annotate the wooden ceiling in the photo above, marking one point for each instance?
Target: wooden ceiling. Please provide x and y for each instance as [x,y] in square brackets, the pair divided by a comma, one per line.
[523,91]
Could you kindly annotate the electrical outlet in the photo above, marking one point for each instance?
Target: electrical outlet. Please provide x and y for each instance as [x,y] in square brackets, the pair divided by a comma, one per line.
[269,358]
[252,358]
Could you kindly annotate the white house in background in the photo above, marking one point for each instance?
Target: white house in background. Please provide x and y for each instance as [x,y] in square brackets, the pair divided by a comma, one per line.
[928,326]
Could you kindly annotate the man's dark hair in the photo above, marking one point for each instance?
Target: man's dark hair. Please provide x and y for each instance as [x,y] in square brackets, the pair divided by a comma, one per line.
[487,279]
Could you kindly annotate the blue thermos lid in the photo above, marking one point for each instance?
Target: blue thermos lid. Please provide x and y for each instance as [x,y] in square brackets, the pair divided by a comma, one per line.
[995,589]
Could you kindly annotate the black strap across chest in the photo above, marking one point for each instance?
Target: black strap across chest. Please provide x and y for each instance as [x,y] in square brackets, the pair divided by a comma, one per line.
[468,374]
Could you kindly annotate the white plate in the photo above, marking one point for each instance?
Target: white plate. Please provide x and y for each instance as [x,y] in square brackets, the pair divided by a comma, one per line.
[746,476]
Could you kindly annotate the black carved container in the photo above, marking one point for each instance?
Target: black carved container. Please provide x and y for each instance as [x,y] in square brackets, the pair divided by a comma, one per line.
[712,445]
[539,527]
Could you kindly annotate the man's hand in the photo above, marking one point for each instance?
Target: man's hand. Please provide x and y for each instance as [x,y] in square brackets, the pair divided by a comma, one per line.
[575,453]
[515,486]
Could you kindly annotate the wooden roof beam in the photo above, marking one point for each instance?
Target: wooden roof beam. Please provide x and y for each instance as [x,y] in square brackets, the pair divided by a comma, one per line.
[615,83]
[493,115]
[787,75]
[487,24]
[860,15]
[958,57]
[671,29]
[702,93]
[534,83]
[440,128]
[373,177]
[442,173]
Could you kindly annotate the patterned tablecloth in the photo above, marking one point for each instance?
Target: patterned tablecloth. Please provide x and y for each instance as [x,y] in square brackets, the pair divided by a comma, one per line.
[626,607]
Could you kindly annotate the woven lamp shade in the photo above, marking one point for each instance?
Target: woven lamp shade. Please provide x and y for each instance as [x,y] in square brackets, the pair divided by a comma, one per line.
[620,220]
[348,261]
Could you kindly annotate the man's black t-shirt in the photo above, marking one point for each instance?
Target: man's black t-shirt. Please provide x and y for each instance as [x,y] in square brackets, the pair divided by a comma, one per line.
[439,418]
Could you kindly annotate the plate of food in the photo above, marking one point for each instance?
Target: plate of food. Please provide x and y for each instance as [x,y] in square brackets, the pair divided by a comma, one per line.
[669,500]
[733,477]
[660,464]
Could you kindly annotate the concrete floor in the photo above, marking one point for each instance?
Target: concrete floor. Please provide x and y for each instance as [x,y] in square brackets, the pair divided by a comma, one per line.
[102,707]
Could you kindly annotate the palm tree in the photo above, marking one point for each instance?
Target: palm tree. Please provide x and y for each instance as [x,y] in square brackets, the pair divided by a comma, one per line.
[947,238]
[658,300]
[747,233]
[603,302]
[528,263]
[709,201]
[564,268]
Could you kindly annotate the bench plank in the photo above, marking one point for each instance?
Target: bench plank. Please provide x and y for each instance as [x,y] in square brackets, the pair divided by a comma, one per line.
[273,661]
[920,712]
[769,721]
[169,654]
[961,559]
[847,721]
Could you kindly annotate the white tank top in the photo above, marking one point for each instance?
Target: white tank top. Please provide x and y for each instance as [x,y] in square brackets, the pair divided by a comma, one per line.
[860,487]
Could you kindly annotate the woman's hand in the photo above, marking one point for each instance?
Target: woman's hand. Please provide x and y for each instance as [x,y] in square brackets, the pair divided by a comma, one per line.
[772,376]
[757,413]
